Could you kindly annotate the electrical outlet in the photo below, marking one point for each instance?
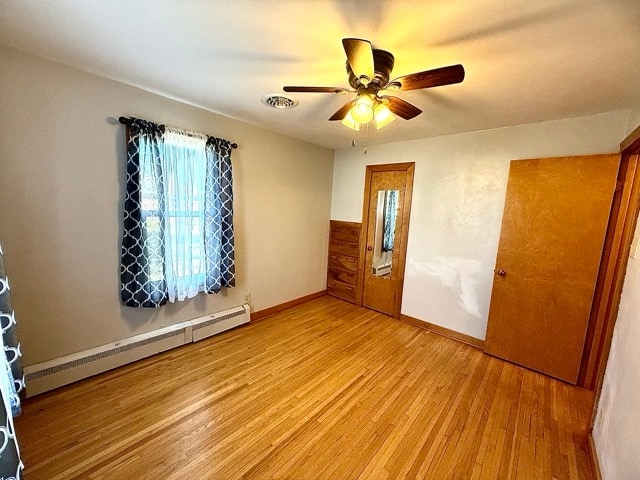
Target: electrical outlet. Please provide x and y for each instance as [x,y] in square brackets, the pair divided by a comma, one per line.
[247,298]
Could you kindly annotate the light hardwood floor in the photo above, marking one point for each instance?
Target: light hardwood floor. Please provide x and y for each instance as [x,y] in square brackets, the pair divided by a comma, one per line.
[324,390]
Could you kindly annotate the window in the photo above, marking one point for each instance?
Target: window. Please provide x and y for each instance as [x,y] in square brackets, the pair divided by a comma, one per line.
[180,239]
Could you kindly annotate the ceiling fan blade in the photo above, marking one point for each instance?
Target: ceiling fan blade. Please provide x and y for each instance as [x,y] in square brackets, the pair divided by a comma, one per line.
[342,112]
[360,56]
[401,108]
[315,89]
[430,78]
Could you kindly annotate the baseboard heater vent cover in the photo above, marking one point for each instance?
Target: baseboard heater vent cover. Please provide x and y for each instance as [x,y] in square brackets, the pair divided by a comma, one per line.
[212,324]
[46,376]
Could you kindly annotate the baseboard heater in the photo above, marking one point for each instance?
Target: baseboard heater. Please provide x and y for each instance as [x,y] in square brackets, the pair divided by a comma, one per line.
[384,269]
[46,376]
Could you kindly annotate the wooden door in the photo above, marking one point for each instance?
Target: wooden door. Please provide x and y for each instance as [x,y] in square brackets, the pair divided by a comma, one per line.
[387,206]
[553,228]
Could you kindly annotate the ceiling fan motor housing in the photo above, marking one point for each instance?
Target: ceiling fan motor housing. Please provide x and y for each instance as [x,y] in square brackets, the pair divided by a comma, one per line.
[383,65]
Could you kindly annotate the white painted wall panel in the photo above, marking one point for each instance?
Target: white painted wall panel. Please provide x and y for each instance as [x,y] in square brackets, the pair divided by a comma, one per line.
[458,198]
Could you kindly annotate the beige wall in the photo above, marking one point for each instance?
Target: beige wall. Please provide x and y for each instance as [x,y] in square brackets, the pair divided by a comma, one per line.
[617,427]
[634,118]
[459,187]
[61,191]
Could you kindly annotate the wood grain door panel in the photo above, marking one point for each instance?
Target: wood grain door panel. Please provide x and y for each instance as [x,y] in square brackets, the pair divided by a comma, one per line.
[380,292]
[384,293]
[553,228]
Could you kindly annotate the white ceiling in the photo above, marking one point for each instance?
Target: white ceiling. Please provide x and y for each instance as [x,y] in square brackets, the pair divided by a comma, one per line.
[525,61]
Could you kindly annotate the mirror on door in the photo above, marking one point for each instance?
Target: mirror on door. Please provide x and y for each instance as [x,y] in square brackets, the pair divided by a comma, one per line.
[385,232]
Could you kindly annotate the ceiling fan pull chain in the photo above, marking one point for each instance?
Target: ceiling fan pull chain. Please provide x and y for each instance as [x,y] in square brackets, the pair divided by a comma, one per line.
[366,137]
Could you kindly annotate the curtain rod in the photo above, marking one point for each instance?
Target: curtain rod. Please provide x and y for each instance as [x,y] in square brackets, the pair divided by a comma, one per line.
[127,121]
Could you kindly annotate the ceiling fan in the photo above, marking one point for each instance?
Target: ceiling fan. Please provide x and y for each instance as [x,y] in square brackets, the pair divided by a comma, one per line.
[369,71]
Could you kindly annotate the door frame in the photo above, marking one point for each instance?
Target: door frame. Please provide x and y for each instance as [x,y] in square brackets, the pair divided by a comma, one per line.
[409,168]
[614,266]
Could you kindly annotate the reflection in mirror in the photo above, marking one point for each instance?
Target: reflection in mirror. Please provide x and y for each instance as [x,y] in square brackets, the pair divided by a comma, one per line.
[385,232]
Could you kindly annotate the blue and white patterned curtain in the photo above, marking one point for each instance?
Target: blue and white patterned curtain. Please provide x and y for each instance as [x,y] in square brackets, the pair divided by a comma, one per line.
[219,240]
[178,219]
[390,214]
[142,263]
[11,381]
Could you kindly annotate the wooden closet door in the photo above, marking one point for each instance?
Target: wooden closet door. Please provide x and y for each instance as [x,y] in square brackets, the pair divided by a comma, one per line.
[383,292]
[553,229]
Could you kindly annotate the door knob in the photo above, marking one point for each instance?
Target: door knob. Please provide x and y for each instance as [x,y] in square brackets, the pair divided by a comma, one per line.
[369,247]
[501,272]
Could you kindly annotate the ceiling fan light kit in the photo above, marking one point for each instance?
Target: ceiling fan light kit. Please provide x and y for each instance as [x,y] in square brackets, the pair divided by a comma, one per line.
[362,111]
[369,72]
[383,116]
[349,122]
[368,108]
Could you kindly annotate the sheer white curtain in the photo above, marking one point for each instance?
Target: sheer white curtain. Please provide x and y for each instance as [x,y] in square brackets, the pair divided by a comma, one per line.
[184,168]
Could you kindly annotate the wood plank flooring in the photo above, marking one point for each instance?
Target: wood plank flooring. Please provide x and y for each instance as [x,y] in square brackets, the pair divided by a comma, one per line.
[325,390]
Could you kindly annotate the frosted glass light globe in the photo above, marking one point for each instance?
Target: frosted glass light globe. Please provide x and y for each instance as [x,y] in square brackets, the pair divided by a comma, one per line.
[362,111]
